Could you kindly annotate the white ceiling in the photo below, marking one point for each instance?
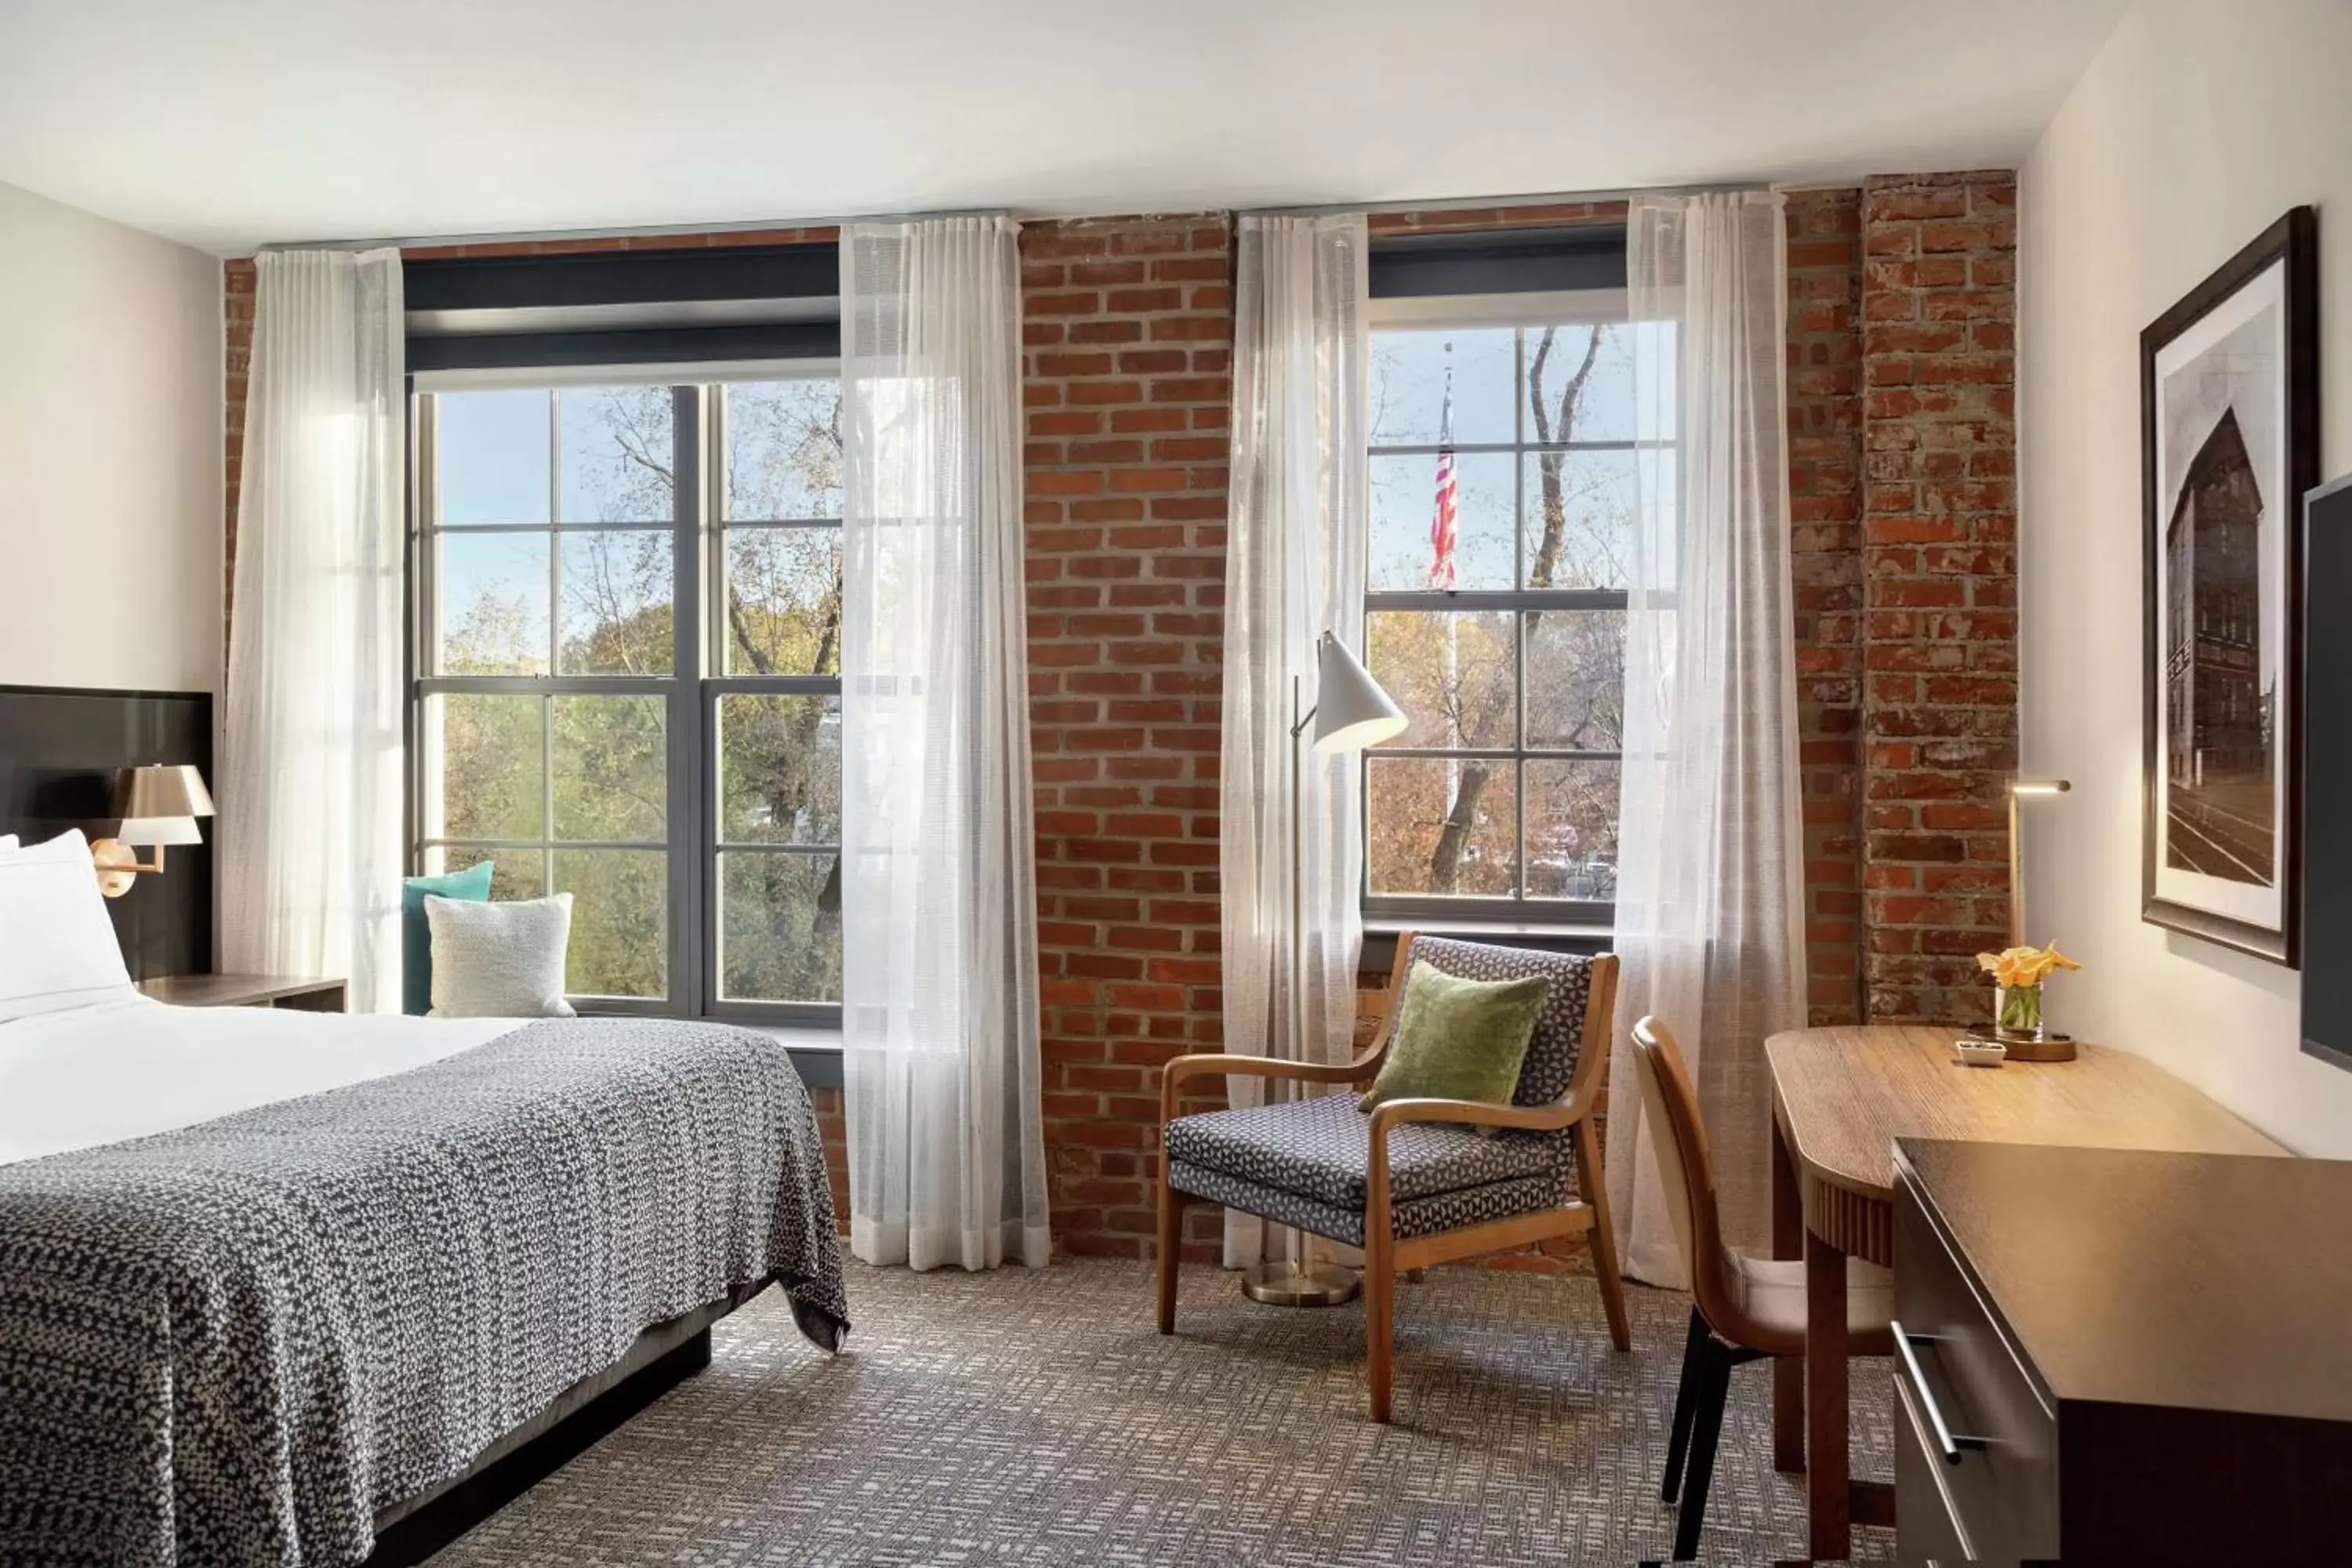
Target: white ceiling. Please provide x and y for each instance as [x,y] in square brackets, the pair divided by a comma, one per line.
[226,123]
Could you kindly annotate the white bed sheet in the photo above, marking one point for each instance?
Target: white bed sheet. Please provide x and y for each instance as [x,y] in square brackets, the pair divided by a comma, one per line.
[88,1076]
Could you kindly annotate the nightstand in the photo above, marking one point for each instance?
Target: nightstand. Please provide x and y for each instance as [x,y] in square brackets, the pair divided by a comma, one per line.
[293,991]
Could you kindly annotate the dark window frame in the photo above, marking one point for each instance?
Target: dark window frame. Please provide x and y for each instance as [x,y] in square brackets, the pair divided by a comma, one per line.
[1527,263]
[698,678]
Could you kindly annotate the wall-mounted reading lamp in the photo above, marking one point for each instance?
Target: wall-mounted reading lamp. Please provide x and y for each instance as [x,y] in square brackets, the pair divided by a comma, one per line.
[2024,789]
[159,806]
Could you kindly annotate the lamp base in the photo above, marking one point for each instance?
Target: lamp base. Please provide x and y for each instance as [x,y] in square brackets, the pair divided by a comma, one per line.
[1281,1283]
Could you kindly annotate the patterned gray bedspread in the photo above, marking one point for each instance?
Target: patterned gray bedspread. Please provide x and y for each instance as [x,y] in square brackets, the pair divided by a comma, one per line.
[233,1344]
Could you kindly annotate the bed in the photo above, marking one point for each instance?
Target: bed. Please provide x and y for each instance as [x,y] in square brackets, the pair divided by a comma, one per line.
[272,1281]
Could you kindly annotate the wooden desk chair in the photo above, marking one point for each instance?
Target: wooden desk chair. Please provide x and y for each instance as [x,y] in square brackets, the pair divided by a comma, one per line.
[1743,1308]
[1414,1183]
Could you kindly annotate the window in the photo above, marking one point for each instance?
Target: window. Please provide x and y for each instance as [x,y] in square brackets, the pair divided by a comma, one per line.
[1500,799]
[628,626]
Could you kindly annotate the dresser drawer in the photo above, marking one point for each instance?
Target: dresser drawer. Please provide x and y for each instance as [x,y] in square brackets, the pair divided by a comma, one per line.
[1954,1366]
[1928,1522]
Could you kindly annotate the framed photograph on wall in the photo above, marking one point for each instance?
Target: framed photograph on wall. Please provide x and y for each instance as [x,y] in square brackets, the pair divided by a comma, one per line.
[2229,443]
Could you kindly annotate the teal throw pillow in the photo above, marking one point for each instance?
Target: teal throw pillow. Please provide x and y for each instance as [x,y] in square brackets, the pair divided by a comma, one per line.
[1458,1039]
[473,885]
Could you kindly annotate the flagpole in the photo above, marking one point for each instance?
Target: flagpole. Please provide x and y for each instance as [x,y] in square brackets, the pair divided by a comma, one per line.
[1452,623]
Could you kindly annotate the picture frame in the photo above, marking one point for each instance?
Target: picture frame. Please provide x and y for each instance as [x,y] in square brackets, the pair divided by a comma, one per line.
[2229,445]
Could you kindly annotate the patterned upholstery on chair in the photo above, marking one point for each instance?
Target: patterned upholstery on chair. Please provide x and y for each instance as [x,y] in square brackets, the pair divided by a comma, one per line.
[1552,1053]
[1305,1162]
[1317,1148]
[1423,1217]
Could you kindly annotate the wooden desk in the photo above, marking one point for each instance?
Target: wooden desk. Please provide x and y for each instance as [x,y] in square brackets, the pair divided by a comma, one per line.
[1840,1098]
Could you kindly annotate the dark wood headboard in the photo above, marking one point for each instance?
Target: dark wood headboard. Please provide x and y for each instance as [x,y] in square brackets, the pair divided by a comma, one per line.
[60,751]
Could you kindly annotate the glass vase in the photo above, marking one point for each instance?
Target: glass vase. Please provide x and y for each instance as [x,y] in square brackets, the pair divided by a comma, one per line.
[2017,1013]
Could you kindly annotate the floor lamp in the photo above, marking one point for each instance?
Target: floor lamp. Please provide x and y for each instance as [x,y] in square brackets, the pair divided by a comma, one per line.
[1350,712]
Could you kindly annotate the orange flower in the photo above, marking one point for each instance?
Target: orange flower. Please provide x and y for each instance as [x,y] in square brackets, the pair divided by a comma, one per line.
[2014,966]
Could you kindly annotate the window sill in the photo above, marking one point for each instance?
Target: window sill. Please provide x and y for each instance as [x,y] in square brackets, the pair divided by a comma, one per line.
[1394,926]
[815,1049]
[1381,934]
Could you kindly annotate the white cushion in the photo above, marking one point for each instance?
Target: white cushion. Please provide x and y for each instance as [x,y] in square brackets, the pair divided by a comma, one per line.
[7,841]
[499,961]
[57,945]
[1773,1292]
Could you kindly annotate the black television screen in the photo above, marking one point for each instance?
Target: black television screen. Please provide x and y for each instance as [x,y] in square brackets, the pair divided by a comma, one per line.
[2327,772]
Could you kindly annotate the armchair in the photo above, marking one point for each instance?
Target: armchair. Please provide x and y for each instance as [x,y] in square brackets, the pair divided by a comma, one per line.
[1417,1182]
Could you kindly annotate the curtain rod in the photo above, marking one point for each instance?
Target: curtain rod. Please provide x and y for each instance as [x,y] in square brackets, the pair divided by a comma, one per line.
[649,231]
[656,231]
[1525,199]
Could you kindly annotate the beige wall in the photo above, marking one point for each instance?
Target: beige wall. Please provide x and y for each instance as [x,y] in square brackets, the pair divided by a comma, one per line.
[2194,129]
[109,453]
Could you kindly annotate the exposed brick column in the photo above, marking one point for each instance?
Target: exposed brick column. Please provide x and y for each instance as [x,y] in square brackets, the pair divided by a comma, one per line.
[1939,629]
[1825,551]
[1128,324]
[237,281]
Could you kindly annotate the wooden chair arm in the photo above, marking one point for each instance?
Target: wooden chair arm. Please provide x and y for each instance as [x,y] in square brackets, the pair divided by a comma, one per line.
[1528,1117]
[1397,1113]
[1478,1113]
[1214,1064]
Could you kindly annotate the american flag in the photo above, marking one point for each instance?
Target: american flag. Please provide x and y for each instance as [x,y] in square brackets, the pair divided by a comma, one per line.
[1441,520]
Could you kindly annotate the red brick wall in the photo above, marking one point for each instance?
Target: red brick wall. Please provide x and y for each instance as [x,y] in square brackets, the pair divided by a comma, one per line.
[1825,558]
[1128,336]
[237,345]
[1939,625]
[1128,342]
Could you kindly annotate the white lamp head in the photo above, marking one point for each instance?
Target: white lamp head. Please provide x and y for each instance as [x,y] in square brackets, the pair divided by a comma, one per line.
[1351,711]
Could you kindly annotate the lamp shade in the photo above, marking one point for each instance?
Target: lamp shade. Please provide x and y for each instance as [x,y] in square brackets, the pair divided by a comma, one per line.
[144,831]
[165,790]
[1351,711]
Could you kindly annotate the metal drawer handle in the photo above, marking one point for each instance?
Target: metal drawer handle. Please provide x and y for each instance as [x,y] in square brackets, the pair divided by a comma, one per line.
[1946,1440]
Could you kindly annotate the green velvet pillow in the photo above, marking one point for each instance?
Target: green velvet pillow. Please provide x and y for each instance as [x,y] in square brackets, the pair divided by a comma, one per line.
[1458,1039]
[472,884]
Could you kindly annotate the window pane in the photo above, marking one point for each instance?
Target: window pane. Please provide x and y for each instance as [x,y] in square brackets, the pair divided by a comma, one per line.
[783,449]
[515,873]
[1572,830]
[780,927]
[493,750]
[1451,673]
[612,768]
[1408,385]
[616,453]
[493,610]
[1580,519]
[491,450]
[1576,679]
[1405,503]
[1569,400]
[620,932]
[1434,826]
[779,768]
[618,611]
[783,601]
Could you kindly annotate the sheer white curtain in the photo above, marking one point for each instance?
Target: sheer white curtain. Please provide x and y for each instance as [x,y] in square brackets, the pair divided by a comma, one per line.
[947,1162]
[1709,918]
[1293,569]
[310,767]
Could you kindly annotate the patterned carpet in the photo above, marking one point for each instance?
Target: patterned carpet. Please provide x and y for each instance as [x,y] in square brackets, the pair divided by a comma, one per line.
[1036,1417]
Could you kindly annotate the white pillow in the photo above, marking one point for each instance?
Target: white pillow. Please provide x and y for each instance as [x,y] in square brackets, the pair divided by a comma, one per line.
[499,961]
[56,946]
